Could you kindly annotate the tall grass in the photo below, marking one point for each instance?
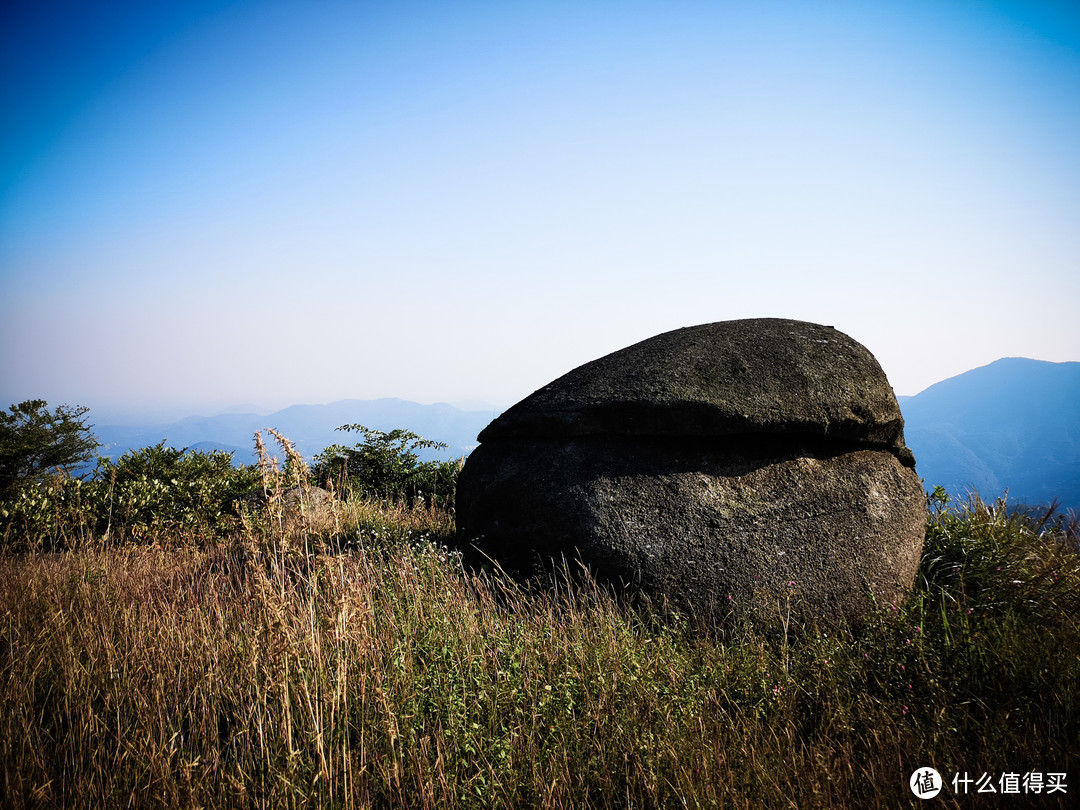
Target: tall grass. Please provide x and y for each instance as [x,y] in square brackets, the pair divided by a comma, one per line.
[285,674]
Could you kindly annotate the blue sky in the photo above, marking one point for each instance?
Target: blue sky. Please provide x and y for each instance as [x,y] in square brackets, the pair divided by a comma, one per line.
[214,203]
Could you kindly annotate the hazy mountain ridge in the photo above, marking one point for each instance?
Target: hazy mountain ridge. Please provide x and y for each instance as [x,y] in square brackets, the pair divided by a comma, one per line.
[1013,424]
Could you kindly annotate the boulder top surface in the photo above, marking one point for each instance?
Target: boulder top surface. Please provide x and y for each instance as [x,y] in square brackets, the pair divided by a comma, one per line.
[743,377]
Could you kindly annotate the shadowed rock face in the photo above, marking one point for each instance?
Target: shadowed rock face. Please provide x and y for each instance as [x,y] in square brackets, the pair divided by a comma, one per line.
[753,465]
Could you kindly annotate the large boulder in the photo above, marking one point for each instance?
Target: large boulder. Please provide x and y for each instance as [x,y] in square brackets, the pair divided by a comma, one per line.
[753,466]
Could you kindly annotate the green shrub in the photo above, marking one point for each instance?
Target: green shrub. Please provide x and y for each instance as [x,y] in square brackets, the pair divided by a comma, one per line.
[164,489]
[386,466]
[146,494]
[50,513]
[161,493]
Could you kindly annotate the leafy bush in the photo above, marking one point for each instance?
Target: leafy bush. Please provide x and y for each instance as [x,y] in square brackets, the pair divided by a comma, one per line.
[146,494]
[161,494]
[162,488]
[50,513]
[386,466]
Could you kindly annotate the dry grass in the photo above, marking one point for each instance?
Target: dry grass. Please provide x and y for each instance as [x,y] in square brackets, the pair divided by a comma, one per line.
[278,674]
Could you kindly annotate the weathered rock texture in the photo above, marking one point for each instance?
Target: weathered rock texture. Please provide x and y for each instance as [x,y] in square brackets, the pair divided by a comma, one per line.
[754,465]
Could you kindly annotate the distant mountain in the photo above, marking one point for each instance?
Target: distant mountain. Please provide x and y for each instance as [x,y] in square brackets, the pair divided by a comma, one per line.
[311,427]
[1014,424]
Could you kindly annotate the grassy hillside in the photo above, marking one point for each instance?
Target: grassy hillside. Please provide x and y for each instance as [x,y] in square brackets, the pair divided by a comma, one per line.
[347,659]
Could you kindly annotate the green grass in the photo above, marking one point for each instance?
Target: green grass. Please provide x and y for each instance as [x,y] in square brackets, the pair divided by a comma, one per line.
[269,671]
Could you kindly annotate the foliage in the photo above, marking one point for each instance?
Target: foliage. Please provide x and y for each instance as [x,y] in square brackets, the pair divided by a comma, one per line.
[158,492]
[53,513]
[163,489]
[394,677]
[36,442]
[386,465]
[146,494]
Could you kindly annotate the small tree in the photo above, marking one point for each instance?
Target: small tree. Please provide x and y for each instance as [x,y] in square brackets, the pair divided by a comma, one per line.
[385,465]
[36,442]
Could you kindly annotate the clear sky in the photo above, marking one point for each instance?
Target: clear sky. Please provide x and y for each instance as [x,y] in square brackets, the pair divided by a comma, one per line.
[215,203]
